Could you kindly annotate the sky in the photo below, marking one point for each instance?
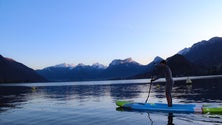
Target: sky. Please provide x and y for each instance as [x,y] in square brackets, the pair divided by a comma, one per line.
[42,33]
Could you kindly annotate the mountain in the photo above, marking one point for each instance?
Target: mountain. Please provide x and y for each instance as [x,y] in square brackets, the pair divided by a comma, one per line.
[117,69]
[67,72]
[124,62]
[98,66]
[208,53]
[147,69]
[203,58]
[122,69]
[65,65]
[184,51]
[12,71]
[55,73]
[180,66]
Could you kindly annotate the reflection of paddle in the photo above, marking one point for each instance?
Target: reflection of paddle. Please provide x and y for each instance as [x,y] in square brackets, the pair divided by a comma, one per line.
[148,115]
[149,92]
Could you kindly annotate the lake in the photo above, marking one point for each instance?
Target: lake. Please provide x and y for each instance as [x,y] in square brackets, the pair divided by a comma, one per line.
[93,103]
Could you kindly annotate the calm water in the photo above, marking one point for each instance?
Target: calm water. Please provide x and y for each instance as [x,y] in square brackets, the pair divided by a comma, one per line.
[93,103]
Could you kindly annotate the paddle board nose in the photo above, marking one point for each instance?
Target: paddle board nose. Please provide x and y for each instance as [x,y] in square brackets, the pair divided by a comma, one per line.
[122,103]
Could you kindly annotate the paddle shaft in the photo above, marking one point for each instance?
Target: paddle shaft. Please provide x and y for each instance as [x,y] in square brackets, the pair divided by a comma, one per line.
[149,92]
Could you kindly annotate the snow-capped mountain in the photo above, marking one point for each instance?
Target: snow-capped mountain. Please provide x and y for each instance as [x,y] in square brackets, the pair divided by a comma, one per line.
[125,61]
[200,45]
[116,69]
[157,59]
[121,69]
[60,66]
[73,66]
[183,51]
[81,65]
[99,66]
[65,65]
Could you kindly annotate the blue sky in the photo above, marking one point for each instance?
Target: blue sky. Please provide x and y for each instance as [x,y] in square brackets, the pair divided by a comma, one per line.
[41,33]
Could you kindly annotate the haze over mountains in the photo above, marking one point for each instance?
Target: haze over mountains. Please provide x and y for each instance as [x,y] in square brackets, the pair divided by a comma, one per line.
[203,58]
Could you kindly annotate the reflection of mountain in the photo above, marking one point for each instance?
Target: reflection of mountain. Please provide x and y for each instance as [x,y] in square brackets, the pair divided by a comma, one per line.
[78,92]
[84,92]
[126,91]
[12,96]
[16,96]
[12,71]
[201,90]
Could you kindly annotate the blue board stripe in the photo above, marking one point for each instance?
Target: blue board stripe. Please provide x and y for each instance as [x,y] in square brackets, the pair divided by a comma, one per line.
[189,108]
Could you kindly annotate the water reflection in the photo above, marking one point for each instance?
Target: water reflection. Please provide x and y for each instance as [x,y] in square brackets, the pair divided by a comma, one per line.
[169,121]
[150,119]
[12,97]
[127,91]
[207,90]
[91,91]
[149,116]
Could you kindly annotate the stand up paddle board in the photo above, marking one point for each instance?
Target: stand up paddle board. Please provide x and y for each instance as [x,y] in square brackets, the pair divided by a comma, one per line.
[184,108]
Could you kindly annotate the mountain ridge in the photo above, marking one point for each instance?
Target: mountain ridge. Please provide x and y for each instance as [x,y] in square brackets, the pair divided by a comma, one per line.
[117,69]
[202,58]
[180,63]
[205,52]
[12,71]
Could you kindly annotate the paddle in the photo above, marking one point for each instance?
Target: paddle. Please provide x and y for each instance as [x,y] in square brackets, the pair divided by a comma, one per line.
[149,92]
